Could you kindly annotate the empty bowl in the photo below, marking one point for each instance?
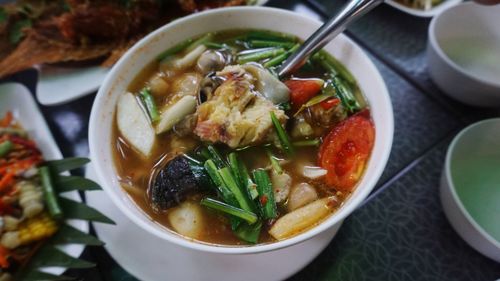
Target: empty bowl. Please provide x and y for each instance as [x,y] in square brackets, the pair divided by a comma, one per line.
[470,186]
[463,53]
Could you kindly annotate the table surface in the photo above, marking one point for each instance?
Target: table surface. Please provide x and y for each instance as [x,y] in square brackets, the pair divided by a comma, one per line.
[400,232]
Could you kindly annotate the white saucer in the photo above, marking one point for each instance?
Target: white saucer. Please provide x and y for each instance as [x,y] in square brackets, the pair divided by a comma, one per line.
[148,257]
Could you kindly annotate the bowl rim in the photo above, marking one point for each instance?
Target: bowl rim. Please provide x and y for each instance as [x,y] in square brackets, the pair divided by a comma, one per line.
[451,186]
[108,84]
[433,42]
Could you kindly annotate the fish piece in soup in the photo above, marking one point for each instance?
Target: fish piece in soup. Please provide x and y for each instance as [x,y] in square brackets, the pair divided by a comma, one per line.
[236,115]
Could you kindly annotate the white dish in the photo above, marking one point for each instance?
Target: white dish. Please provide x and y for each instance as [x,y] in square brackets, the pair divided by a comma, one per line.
[16,98]
[159,259]
[116,83]
[424,13]
[57,85]
[463,53]
[469,186]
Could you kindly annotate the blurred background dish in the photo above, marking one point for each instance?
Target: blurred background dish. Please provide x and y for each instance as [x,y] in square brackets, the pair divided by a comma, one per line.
[469,186]
[463,53]
[422,8]
[16,98]
[75,37]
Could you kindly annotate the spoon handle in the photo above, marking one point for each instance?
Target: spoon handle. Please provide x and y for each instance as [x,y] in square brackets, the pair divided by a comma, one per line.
[353,10]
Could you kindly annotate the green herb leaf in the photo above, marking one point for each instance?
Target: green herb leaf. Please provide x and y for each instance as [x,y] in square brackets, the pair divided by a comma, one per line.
[249,233]
[282,135]
[70,235]
[67,164]
[48,255]
[71,183]
[77,210]
[16,32]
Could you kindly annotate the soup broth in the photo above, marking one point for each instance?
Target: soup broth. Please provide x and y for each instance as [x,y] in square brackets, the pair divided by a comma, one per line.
[327,138]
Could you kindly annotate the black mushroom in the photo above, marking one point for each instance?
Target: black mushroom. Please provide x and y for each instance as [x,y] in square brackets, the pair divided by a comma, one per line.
[174,182]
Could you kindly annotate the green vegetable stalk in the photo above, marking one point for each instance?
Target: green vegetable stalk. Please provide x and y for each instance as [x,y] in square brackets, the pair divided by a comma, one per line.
[49,194]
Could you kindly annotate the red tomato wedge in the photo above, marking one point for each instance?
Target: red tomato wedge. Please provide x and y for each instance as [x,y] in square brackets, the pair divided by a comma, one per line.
[346,149]
[302,90]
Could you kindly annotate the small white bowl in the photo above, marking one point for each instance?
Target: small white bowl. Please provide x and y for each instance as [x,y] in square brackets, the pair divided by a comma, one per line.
[470,186]
[146,50]
[463,53]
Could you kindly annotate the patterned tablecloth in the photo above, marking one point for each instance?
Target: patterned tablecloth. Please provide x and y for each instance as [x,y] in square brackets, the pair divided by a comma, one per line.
[400,232]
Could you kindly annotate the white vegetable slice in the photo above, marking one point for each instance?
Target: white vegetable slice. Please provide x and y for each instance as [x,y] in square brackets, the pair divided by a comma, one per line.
[313,172]
[301,195]
[175,113]
[189,59]
[187,219]
[134,125]
[281,186]
[295,222]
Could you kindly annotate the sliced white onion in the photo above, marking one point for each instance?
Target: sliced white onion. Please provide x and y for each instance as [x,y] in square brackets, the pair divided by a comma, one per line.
[313,172]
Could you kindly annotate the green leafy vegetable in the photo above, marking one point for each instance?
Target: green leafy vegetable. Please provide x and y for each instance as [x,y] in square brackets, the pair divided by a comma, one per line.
[313,142]
[260,55]
[150,104]
[281,57]
[67,164]
[70,183]
[315,100]
[51,200]
[266,195]
[274,162]
[346,95]
[249,233]
[175,49]
[249,217]
[282,136]
[67,234]
[240,171]
[230,182]
[216,157]
[77,210]
[54,257]
[270,43]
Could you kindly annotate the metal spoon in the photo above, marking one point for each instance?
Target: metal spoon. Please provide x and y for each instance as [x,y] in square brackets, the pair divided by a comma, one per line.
[352,11]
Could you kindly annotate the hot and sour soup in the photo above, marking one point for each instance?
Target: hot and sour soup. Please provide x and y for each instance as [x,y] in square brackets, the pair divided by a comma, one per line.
[212,145]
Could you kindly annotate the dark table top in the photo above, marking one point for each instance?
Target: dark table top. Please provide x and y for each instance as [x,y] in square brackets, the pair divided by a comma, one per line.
[400,232]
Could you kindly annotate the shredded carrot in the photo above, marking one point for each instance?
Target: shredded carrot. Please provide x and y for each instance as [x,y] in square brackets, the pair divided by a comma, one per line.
[6,182]
[21,165]
[4,254]
[7,119]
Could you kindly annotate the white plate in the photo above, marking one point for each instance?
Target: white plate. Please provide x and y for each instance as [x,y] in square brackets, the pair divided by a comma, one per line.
[16,98]
[421,13]
[150,258]
[57,85]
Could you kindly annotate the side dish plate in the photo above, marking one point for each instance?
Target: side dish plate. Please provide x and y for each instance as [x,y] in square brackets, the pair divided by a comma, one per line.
[17,98]
[424,13]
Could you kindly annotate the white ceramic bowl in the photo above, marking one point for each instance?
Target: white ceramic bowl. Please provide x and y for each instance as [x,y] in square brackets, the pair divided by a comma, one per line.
[146,50]
[463,53]
[470,192]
